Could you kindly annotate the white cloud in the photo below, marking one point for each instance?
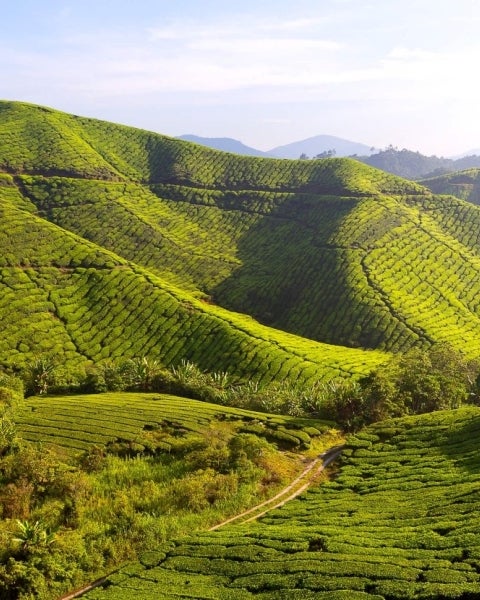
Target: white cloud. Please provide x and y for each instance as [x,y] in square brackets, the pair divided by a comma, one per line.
[259,45]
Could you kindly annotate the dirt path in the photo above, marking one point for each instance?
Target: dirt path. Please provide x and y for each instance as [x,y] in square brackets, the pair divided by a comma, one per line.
[298,485]
[306,478]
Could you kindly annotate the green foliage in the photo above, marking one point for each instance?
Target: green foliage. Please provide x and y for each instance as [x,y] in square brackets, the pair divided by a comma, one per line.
[8,432]
[418,381]
[39,375]
[32,535]
[119,474]
[399,521]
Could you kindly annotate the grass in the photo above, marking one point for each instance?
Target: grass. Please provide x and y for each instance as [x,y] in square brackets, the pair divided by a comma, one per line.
[399,521]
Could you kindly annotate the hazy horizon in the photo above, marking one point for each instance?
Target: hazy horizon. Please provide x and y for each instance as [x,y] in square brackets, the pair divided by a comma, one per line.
[266,74]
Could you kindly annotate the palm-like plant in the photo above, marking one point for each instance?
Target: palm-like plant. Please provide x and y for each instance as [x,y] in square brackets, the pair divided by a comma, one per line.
[33,535]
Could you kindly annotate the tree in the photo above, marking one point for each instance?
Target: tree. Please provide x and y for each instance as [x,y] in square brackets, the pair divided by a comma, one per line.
[40,375]
[327,153]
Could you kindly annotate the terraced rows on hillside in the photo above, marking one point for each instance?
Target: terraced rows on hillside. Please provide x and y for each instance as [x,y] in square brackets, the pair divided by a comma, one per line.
[76,423]
[330,250]
[401,520]
[463,184]
[63,295]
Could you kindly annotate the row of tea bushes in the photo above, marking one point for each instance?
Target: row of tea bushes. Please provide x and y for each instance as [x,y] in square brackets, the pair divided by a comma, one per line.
[400,521]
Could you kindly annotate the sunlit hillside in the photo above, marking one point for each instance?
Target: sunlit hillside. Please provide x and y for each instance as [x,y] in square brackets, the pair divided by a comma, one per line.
[462,184]
[102,220]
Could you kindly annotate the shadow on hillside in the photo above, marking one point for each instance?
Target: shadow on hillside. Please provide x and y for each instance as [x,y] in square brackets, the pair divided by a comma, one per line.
[294,278]
[460,443]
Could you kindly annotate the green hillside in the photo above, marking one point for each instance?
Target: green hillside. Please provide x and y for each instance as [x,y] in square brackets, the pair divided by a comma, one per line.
[329,250]
[400,521]
[461,184]
[263,283]
[156,423]
[90,482]
[66,296]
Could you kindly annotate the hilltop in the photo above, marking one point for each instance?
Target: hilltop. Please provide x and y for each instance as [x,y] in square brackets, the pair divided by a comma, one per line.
[462,184]
[122,241]
[414,165]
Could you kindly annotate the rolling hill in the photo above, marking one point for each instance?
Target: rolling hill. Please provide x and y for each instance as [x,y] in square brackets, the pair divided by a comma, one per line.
[399,522]
[118,241]
[461,184]
[414,165]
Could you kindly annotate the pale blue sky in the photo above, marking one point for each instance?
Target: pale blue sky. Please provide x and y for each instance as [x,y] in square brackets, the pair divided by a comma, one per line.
[380,72]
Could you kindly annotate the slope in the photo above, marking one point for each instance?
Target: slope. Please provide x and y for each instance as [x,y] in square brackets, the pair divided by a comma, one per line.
[461,184]
[400,521]
[331,250]
[67,296]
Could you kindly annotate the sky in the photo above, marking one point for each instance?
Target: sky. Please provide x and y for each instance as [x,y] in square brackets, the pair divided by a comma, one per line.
[380,72]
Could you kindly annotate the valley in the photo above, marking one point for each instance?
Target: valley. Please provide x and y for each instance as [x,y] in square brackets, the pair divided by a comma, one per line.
[185,330]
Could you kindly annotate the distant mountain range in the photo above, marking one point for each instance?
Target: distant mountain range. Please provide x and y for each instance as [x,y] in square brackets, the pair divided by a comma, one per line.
[309,148]
[226,144]
[320,144]
[405,163]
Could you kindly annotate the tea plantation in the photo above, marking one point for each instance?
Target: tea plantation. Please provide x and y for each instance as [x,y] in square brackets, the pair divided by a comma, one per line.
[400,520]
[149,423]
[462,184]
[352,292]
[330,250]
[63,295]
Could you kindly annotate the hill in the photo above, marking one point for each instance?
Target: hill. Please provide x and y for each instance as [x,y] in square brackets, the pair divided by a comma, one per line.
[310,148]
[461,184]
[89,482]
[319,144]
[400,521]
[122,241]
[413,165]
[225,144]
[66,296]
[107,420]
